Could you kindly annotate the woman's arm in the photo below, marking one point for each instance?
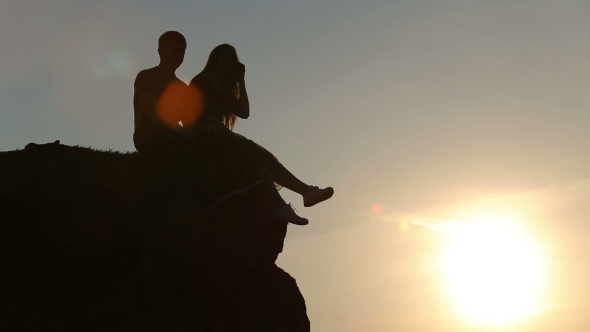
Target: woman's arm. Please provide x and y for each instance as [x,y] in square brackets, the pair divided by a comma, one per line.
[243,107]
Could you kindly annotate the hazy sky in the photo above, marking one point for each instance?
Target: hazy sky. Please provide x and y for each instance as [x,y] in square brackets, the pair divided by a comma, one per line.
[416,112]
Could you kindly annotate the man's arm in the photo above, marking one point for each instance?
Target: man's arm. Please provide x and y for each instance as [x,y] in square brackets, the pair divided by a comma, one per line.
[146,96]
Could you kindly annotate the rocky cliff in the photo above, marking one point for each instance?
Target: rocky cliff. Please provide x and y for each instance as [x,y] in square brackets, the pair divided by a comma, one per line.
[104,241]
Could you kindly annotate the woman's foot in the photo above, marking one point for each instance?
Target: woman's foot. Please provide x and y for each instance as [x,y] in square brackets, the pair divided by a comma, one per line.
[314,195]
[258,186]
[287,213]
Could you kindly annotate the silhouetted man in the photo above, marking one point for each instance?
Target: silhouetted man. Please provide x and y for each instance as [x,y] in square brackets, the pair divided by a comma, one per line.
[158,98]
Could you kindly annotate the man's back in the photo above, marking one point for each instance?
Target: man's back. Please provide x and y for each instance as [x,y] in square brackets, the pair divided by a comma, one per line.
[157,105]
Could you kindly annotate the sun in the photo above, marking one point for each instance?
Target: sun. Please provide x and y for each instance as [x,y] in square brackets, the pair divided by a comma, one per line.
[493,270]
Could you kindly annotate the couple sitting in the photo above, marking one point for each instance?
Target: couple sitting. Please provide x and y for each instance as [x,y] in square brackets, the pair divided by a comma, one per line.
[208,108]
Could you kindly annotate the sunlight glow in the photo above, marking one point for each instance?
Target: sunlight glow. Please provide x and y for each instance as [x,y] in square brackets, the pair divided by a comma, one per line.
[494,271]
[404,226]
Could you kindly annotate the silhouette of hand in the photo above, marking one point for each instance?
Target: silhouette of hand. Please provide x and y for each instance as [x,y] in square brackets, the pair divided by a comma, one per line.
[239,70]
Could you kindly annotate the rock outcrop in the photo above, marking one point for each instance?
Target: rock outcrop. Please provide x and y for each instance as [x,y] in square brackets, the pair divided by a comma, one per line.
[104,241]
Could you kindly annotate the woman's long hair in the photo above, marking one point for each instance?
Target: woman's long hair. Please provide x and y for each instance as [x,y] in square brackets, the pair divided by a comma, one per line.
[229,118]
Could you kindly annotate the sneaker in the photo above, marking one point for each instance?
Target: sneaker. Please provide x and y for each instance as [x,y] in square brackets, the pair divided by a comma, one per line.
[256,186]
[315,195]
[287,213]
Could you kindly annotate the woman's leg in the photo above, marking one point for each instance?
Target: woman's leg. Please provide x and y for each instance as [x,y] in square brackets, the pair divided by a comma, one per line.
[283,177]
[275,197]
[259,158]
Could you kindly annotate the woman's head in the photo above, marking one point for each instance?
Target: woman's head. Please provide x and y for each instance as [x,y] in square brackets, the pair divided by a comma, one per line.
[223,58]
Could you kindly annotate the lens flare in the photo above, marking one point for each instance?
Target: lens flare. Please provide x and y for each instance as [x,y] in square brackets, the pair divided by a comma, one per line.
[117,62]
[377,208]
[180,103]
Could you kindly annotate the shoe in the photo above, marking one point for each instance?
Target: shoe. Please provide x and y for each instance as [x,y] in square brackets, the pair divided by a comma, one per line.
[314,195]
[256,186]
[287,213]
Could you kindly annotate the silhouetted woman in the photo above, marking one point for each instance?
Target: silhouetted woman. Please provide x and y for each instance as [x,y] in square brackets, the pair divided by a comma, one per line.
[223,90]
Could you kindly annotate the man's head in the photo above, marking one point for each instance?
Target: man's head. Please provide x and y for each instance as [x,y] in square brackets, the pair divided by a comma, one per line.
[171,48]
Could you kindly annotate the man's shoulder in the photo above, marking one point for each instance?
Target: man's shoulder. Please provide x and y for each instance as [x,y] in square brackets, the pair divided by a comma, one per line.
[155,75]
[180,81]
[147,73]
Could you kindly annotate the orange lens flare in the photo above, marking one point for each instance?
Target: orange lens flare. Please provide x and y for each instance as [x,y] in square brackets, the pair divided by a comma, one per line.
[377,209]
[180,103]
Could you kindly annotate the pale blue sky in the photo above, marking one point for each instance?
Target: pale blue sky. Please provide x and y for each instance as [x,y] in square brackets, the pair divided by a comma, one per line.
[429,108]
